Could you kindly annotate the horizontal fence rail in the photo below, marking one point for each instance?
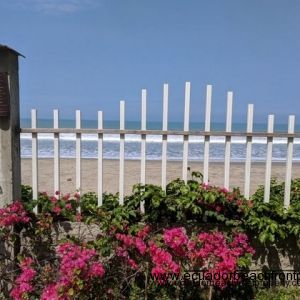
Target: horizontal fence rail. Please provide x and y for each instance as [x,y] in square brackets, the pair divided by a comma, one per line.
[163,132]
[186,133]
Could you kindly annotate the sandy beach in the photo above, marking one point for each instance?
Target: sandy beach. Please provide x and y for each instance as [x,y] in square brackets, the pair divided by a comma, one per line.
[132,174]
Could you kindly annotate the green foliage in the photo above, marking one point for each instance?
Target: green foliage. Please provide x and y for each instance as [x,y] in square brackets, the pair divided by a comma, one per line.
[278,293]
[26,193]
[191,203]
[272,221]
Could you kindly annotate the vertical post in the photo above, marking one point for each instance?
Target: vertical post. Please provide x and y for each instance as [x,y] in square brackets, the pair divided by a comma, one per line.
[100,159]
[228,140]
[289,161]
[248,151]
[10,163]
[78,152]
[186,124]
[56,152]
[207,129]
[122,153]
[269,159]
[143,143]
[164,137]
[34,158]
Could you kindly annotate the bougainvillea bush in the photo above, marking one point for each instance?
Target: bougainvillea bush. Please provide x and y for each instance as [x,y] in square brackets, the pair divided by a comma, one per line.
[190,228]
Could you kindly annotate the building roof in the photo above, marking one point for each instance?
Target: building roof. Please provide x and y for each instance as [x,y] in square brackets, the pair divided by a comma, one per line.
[6,48]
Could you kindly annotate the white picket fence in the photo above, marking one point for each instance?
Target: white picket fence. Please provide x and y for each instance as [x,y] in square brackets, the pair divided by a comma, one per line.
[186,133]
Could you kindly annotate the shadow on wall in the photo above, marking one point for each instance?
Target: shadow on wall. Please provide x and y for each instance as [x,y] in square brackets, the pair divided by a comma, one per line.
[281,256]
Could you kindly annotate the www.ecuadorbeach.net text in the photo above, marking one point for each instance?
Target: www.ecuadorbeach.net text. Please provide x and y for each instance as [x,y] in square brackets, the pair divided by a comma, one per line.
[255,278]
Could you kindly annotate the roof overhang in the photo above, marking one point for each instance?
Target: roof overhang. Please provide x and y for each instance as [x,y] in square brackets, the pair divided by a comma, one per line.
[8,49]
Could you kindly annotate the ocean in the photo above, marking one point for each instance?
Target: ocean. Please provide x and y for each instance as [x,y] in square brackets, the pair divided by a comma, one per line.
[153,148]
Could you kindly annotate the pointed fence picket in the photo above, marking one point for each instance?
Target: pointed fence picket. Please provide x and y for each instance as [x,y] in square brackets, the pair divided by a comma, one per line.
[228,141]
[56,153]
[34,136]
[143,142]
[164,137]
[207,130]
[100,159]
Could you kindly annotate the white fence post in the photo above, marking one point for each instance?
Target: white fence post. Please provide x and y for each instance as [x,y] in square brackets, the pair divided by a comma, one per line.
[269,159]
[100,159]
[248,151]
[143,143]
[186,125]
[207,129]
[228,140]
[78,152]
[164,137]
[34,160]
[56,152]
[122,153]
[289,161]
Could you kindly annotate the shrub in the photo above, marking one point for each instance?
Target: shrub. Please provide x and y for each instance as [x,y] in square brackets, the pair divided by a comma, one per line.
[271,221]
[188,226]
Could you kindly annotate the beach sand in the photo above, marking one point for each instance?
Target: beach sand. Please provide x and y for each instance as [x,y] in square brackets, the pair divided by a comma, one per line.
[132,174]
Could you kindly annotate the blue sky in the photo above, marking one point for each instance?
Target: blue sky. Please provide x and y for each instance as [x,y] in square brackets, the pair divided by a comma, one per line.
[89,55]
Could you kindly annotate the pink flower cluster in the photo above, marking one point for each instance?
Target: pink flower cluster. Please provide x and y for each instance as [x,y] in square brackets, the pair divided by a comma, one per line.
[232,199]
[163,262]
[57,202]
[13,214]
[78,267]
[129,241]
[23,284]
[240,245]
[176,239]
[214,254]
[143,232]
[211,252]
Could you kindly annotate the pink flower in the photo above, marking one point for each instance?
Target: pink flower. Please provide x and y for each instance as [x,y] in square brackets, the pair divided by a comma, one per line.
[144,232]
[223,190]
[162,259]
[96,270]
[77,196]
[132,264]
[176,239]
[77,264]
[23,283]
[140,245]
[205,186]
[121,252]
[57,210]
[50,292]
[68,206]
[230,198]
[66,197]
[78,217]
[126,239]
[239,202]
[13,214]
[53,200]
[215,254]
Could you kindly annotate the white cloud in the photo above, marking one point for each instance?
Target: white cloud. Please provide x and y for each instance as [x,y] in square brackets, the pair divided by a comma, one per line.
[57,6]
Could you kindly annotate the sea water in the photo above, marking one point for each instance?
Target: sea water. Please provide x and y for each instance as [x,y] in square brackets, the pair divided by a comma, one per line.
[154,142]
